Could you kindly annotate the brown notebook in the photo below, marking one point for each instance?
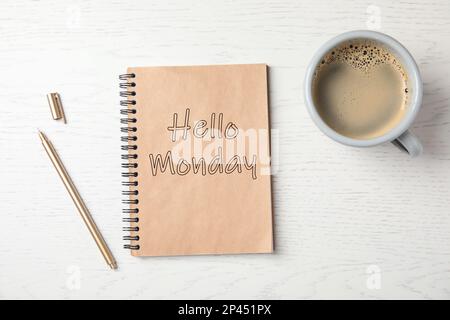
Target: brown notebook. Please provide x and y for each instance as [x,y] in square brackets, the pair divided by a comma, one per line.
[198,161]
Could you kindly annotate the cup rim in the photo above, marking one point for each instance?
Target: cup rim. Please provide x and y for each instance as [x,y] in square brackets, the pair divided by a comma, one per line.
[407,61]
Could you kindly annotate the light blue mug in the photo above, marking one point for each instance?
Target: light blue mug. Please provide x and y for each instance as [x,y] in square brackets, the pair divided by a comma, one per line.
[399,135]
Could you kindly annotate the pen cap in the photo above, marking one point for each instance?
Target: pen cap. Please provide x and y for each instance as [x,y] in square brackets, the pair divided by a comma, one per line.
[54,100]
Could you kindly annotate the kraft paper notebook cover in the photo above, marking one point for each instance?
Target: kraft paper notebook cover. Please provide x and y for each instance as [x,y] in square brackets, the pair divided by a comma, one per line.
[197,163]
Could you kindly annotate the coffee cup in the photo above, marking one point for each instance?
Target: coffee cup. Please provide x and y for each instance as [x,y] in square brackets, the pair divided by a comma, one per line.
[362,89]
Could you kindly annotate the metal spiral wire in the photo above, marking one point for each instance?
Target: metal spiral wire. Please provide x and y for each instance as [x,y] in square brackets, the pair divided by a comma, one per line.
[130,175]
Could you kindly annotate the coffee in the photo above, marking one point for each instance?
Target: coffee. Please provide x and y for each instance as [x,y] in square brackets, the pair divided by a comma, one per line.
[360,89]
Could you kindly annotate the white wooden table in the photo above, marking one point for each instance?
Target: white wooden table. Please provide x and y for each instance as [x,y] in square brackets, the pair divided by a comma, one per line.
[349,223]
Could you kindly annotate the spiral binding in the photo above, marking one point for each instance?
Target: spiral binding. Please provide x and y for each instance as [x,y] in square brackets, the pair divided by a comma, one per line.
[131,174]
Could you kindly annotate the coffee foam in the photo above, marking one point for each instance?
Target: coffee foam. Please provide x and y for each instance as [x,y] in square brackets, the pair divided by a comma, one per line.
[360,89]
[363,55]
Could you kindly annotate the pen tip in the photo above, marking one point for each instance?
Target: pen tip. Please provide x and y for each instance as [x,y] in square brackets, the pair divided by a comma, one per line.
[113,265]
[41,134]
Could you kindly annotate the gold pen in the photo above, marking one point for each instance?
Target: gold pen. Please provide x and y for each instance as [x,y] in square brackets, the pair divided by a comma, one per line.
[87,218]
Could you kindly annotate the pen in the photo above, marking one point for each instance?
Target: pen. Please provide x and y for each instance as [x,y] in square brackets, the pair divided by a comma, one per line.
[87,218]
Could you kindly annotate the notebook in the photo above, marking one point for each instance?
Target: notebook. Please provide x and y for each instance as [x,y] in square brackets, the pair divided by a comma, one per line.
[197,160]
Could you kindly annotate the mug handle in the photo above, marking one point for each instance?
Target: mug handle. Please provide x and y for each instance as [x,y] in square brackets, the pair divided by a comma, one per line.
[409,143]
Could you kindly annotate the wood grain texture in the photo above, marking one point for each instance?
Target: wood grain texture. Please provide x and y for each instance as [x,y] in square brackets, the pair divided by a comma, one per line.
[338,210]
